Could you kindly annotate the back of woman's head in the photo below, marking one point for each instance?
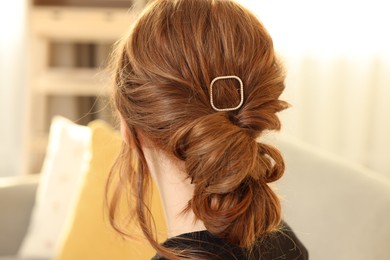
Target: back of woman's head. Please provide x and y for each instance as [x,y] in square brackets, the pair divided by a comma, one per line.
[162,90]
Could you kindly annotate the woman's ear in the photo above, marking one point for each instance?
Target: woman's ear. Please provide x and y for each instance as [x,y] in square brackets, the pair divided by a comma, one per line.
[128,139]
[125,132]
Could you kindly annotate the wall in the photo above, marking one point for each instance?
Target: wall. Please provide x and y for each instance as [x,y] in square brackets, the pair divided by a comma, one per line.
[12,84]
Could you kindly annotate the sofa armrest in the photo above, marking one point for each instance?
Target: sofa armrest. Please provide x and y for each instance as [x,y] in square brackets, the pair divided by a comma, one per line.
[17,197]
[338,209]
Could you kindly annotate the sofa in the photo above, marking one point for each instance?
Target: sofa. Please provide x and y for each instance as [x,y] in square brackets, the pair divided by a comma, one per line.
[339,210]
[17,197]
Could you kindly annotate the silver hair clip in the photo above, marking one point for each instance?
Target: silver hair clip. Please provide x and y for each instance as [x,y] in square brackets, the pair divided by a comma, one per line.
[241,93]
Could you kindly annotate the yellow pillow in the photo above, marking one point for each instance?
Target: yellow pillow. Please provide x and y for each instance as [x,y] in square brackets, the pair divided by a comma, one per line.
[89,235]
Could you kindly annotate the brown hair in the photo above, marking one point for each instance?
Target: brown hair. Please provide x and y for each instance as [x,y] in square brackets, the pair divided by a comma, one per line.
[162,77]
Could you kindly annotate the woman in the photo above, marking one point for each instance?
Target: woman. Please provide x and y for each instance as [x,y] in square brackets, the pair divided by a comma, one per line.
[196,83]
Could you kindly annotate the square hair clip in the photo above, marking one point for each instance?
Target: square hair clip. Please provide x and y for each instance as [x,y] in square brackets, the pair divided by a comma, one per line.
[241,93]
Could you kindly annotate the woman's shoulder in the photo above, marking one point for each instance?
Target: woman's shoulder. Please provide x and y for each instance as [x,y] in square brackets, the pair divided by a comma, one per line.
[283,244]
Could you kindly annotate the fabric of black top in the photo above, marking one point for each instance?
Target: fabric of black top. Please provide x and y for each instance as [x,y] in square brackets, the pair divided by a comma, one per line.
[283,244]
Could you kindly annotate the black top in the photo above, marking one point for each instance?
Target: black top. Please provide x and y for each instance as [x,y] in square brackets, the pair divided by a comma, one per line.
[283,244]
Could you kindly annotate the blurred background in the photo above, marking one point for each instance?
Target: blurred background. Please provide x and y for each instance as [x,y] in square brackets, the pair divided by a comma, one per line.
[336,54]
[337,57]
[12,84]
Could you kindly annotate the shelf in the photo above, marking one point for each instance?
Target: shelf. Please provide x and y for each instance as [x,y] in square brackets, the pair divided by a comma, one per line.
[69,40]
[81,24]
[75,82]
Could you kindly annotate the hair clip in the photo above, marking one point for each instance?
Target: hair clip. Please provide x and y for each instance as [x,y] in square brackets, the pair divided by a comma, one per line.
[241,93]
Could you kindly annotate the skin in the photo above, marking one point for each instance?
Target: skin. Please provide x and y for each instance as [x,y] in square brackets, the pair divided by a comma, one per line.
[174,188]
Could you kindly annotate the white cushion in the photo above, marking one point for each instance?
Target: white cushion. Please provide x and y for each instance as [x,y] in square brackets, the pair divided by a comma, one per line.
[65,163]
[339,210]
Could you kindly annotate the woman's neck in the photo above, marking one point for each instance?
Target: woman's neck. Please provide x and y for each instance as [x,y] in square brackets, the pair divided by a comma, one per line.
[175,192]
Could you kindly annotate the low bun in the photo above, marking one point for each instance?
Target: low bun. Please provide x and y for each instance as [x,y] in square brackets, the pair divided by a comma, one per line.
[230,172]
[211,147]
